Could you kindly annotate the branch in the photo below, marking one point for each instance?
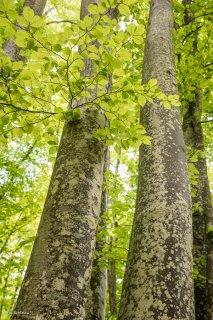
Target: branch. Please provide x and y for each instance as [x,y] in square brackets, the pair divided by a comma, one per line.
[206,121]
[29,124]
[203,15]
[191,32]
[207,65]
[49,10]
[62,21]
[26,110]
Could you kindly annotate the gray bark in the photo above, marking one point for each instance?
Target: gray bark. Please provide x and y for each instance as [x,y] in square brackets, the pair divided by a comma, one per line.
[158,282]
[96,300]
[193,135]
[36,5]
[60,266]
[9,47]
[202,241]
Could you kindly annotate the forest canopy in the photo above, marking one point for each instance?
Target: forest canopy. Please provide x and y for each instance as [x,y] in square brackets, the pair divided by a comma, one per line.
[73,102]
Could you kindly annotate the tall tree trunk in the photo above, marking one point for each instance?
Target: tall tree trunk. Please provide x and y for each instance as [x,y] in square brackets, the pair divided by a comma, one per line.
[111,279]
[112,276]
[203,217]
[192,134]
[59,270]
[36,5]
[193,137]
[96,299]
[158,282]
[207,207]
[203,212]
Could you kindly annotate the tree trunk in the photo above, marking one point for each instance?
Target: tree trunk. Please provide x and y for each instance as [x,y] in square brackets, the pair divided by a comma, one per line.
[201,218]
[112,276]
[59,270]
[158,282]
[111,279]
[36,5]
[203,212]
[191,135]
[96,300]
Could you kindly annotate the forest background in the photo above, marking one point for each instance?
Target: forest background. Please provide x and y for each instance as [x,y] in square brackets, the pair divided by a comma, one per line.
[35,92]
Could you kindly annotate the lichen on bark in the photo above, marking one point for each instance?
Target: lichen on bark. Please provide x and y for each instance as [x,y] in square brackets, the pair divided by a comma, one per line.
[158,282]
[59,271]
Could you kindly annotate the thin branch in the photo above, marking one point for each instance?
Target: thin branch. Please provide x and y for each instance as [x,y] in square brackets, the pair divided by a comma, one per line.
[26,110]
[62,21]
[49,10]
[206,121]
[29,124]
[207,65]
[191,32]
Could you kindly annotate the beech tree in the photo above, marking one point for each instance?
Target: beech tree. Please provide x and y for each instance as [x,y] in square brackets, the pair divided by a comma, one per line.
[92,62]
[201,195]
[97,288]
[59,270]
[158,279]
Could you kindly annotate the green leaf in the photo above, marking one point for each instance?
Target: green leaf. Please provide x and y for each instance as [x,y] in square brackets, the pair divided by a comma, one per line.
[37,22]
[210,229]
[93,9]
[17,65]
[142,100]
[57,47]
[26,74]
[166,104]
[152,83]
[146,140]
[22,22]
[53,150]
[88,21]
[21,36]
[6,5]
[124,9]
[100,133]
[176,103]
[130,2]
[125,144]
[28,14]
[66,51]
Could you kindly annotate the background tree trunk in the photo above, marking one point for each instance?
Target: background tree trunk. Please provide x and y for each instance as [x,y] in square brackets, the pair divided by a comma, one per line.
[202,213]
[59,270]
[96,300]
[158,282]
[112,276]
[36,5]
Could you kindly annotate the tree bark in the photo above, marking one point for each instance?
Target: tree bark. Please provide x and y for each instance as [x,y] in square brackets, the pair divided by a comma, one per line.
[96,300]
[36,5]
[191,136]
[60,266]
[158,282]
[203,216]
